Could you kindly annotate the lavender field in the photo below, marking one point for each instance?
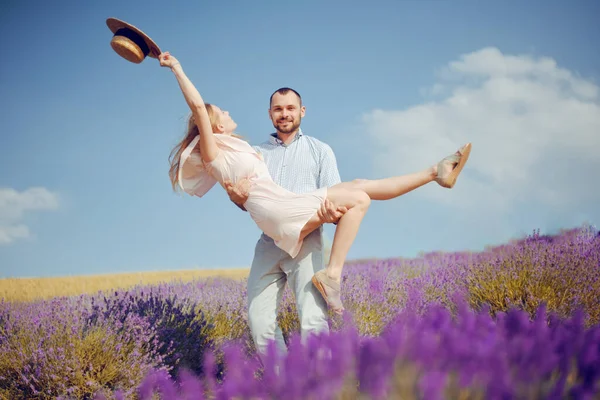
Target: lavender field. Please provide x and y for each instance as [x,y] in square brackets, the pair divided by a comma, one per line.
[518,321]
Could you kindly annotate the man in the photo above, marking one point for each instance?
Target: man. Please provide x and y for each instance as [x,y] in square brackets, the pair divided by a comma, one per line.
[301,164]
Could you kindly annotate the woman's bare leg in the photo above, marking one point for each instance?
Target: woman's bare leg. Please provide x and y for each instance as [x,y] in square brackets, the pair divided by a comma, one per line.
[352,196]
[387,188]
[377,189]
[357,202]
[390,188]
[356,196]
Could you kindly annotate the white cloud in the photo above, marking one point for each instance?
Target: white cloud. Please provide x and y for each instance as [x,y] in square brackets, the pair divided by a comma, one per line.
[15,205]
[535,129]
[10,233]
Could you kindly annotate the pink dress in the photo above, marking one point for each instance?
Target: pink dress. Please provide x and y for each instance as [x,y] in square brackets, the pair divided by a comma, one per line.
[279,213]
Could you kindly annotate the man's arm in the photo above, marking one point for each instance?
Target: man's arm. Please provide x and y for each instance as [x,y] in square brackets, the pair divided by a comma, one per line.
[238,194]
[329,176]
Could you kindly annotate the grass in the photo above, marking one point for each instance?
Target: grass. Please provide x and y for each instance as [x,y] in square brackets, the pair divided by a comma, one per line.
[28,289]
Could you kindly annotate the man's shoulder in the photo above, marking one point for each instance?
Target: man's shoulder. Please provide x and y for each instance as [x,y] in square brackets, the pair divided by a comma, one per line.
[314,140]
[267,143]
[262,146]
[318,143]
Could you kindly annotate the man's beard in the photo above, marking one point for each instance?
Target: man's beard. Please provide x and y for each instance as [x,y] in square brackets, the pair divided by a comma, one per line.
[294,125]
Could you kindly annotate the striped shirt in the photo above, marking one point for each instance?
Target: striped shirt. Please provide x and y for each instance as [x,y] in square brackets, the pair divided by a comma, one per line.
[304,165]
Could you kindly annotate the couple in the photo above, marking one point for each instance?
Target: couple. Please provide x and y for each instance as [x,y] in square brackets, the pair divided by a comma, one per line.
[290,186]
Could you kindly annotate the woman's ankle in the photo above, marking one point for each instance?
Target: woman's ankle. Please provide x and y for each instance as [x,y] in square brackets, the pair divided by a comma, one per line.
[433,172]
[334,272]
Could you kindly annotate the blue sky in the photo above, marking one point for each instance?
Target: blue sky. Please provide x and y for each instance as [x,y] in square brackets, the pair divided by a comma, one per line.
[392,86]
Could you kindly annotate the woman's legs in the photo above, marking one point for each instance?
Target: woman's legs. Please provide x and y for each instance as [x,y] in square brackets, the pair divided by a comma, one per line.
[351,194]
[444,173]
[328,281]
[390,188]
[356,196]
[357,202]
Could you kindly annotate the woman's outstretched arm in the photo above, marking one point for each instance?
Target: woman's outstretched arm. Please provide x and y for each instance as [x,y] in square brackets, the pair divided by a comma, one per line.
[208,145]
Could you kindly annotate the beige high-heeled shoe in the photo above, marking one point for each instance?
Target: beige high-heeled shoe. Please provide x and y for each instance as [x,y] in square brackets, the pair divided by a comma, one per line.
[460,159]
[330,290]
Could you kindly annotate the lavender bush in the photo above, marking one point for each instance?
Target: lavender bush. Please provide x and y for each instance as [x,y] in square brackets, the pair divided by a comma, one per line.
[52,348]
[429,355]
[561,271]
[179,330]
[514,321]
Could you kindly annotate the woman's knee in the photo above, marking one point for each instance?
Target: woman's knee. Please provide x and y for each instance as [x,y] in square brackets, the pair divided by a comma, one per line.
[350,197]
[361,199]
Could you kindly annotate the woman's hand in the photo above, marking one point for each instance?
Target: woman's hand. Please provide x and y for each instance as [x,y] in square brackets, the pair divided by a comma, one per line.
[167,60]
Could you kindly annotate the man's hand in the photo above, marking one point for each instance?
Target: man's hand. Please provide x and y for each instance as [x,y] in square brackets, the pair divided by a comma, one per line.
[238,193]
[329,213]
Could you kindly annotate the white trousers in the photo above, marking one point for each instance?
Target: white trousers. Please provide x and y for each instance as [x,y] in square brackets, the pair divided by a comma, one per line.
[270,270]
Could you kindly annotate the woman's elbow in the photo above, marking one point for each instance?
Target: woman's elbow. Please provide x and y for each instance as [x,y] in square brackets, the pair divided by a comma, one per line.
[198,107]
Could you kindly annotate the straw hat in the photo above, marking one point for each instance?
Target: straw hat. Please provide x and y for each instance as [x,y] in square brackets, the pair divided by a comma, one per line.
[131,43]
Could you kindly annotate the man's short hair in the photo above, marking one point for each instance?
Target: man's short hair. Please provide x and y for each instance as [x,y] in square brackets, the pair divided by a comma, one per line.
[284,91]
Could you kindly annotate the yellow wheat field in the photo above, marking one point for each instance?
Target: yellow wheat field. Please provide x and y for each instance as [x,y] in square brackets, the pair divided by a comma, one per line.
[27,289]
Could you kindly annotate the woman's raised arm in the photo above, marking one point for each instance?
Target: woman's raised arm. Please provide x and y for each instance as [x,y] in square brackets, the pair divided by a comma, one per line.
[208,145]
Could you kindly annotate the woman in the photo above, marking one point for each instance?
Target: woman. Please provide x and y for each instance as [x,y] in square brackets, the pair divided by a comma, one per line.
[211,152]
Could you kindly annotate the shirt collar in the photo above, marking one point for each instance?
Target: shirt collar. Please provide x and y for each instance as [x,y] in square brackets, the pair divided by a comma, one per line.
[275,140]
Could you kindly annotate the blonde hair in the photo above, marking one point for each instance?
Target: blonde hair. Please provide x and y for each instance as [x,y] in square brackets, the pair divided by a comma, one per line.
[191,133]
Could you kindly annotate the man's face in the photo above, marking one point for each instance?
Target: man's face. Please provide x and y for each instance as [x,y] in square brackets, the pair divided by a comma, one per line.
[286,112]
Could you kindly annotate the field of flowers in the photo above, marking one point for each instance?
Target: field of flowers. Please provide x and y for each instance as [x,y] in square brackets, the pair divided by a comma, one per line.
[29,289]
[518,321]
